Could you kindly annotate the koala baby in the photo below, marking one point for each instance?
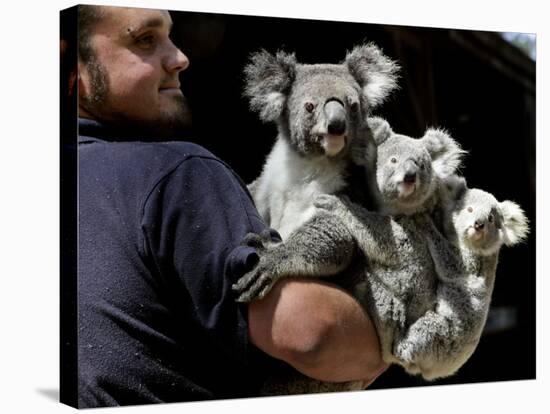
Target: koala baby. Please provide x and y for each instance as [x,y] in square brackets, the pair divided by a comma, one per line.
[320,111]
[476,226]
[404,174]
[396,279]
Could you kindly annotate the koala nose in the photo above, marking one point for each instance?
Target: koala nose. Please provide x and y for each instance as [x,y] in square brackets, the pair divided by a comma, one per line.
[337,127]
[478,225]
[336,117]
[410,178]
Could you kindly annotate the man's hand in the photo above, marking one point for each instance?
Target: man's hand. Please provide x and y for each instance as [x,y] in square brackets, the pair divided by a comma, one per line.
[319,329]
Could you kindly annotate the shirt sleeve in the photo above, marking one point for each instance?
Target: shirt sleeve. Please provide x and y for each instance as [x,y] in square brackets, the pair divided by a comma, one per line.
[193,224]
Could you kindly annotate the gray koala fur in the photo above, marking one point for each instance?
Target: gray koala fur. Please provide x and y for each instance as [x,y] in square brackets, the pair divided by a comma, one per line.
[476,226]
[320,111]
[428,297]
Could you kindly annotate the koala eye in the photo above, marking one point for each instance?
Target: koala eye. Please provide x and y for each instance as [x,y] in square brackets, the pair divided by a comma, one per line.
[309,106]
[393,160]
[470,209]
[491,218]
[422,166]
[354,106]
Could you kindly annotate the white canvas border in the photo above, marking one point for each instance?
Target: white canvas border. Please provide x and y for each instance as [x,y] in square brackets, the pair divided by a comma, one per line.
[30,206]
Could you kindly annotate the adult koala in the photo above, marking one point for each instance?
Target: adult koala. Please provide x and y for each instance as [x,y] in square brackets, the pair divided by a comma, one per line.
[321,112]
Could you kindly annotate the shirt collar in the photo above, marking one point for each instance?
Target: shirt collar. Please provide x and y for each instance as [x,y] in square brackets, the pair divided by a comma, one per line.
[92,130]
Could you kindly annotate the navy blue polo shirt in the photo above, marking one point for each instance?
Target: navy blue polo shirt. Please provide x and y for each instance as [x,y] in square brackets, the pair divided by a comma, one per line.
[160,227]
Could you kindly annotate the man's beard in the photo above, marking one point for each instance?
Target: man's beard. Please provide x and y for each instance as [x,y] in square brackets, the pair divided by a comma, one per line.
[170,124]
[175,122]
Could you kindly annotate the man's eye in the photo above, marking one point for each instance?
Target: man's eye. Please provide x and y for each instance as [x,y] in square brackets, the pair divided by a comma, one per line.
[146,41]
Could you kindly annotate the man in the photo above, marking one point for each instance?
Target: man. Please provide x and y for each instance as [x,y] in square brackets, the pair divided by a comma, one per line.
[160,231]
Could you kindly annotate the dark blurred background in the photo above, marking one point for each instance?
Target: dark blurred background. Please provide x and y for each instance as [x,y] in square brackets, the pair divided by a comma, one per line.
[477,85]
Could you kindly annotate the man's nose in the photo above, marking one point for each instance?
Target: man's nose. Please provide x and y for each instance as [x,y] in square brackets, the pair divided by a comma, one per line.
[175,60]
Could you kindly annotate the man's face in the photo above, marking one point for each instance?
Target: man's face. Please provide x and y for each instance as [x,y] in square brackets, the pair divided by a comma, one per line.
[133,77]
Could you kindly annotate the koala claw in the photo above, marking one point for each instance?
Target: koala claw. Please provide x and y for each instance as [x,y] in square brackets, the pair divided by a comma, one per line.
[254,285]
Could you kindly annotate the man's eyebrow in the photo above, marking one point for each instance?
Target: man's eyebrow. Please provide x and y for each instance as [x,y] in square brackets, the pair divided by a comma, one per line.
[151,23]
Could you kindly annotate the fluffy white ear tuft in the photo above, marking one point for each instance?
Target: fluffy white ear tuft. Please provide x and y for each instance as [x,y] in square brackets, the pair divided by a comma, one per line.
[515,223]
[380,129]
[378,88]
[374,71]
[445,152]
[273,106]
[267,79]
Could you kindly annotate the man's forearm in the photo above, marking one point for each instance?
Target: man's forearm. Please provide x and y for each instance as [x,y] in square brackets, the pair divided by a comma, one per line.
[318,328]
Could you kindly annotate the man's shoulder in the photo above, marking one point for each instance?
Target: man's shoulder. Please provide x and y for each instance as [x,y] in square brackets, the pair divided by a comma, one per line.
[131,144]
[150,155]
[143,165]
[178,155]
[172,150]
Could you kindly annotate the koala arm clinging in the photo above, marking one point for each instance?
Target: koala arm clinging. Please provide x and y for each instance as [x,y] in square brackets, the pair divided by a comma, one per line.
[371,231]
[323,246]
[446,257]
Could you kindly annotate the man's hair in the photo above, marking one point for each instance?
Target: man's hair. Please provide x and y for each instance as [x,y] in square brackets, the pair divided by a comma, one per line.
[88,17]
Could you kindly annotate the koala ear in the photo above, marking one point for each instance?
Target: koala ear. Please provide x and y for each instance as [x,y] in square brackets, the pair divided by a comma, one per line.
[445,152]
[515,223]
[374,71]
[268,79]
[455,187]
[380,129]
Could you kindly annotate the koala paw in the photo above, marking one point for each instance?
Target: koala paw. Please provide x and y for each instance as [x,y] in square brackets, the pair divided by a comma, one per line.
[256,283]
[328,202]
[258,241]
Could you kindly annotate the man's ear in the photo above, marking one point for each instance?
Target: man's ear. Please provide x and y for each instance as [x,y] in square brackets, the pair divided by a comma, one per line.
[445,152]
[71,82]
[82,80]
[515,223]
[268,79]
[375,73]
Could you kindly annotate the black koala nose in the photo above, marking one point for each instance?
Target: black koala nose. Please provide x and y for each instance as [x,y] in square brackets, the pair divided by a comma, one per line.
[337,126]
[478,225]
[410,178]
[336,117]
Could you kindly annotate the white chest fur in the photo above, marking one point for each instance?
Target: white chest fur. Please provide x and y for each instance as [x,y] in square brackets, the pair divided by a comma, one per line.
[285,190]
